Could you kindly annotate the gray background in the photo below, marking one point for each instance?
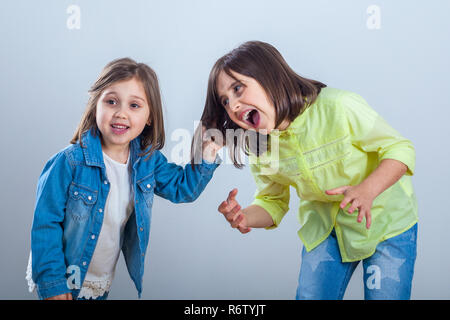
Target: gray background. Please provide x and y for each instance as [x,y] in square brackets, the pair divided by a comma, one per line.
[46,69]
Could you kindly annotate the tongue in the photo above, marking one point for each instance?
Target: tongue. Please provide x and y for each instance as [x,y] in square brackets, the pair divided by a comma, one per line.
[255,118]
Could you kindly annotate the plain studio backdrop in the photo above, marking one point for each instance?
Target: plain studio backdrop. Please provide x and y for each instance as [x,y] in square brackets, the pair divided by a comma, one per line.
[393,53]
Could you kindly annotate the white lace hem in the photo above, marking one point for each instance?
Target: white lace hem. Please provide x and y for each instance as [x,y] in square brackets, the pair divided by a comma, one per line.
[94,289]
[29,276]
[90,289]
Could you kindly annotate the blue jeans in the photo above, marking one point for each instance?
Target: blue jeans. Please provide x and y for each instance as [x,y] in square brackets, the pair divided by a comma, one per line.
[388,272]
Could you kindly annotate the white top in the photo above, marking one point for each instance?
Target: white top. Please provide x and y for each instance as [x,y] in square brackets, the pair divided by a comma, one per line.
[118,208]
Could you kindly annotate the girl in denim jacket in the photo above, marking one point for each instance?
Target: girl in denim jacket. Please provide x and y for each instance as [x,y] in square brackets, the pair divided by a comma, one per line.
[94,197]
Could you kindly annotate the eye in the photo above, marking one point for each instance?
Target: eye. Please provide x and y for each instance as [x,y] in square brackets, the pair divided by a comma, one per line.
[237,88]
[134,105]
[224,102]
[111,101]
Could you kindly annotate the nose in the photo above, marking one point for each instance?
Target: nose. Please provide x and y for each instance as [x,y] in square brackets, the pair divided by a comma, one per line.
[120,111]
[234,105]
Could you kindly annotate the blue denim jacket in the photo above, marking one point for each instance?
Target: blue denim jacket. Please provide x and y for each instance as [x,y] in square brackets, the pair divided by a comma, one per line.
[71,196]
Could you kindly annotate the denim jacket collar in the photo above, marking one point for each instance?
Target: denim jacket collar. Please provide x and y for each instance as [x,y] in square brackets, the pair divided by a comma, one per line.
[93,148]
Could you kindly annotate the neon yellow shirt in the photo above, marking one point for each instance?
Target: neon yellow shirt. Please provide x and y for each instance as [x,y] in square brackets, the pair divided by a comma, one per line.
[338,140]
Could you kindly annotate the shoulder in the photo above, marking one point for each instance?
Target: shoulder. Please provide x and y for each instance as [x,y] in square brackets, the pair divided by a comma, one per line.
[328,105]
[338,102]
[59,165]
[74,154]
[71,155]
[335,97]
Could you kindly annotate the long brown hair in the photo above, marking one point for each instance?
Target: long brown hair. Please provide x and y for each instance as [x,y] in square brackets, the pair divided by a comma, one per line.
[119,70]
[290,93]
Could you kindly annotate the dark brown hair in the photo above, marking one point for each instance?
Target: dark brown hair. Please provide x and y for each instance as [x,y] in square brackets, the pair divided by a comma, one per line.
[119,70]
[290,93]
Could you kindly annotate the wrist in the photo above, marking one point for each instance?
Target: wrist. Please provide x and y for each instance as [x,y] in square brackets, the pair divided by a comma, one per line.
[370,188]
[209,158]
[212,160]
[257,217]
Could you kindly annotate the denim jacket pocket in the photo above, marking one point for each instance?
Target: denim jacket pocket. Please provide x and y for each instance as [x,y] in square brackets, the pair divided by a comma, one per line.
[80,201]
[147,186]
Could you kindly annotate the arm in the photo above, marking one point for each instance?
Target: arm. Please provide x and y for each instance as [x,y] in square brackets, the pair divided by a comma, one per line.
[362,196]
[257,217]
[266,211]
[179,184]
[253,216]
[371,133]
[48,263]
[385,175]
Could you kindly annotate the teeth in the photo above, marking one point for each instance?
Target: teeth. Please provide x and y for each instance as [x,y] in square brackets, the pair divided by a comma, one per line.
[246,115]
[119,127]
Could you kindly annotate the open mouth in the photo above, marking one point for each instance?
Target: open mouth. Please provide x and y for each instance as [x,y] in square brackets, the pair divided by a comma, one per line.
[251,117]
[119,128]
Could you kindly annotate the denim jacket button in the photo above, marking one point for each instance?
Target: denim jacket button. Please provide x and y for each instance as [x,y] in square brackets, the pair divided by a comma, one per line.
[148,186]
[100,210]
[93,237]
[84,263]
[105,182]
[89,198]
[142,229]
[75,193]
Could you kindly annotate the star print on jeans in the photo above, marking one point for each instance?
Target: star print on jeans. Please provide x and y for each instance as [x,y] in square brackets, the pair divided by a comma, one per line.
[391,266]
[318,255]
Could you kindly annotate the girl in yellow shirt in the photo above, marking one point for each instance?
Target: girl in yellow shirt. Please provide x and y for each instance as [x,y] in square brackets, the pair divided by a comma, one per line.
[342,159]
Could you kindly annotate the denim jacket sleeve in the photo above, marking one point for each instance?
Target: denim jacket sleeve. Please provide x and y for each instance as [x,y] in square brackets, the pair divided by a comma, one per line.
[179,184]
[48,263]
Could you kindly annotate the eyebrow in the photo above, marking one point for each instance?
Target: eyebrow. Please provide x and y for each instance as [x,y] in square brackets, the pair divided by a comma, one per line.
[133,96]
[139,98]
[233,84]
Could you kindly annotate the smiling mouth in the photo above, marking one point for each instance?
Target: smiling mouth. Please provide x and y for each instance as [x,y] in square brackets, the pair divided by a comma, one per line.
[251,117]
[119,129]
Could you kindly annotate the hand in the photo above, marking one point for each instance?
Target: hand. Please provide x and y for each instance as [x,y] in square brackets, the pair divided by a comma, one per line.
[211,143]
[360,197]
[65,296]
[233,213]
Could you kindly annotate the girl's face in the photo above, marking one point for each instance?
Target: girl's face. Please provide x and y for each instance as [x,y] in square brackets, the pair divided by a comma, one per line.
[246,102]
[122,112]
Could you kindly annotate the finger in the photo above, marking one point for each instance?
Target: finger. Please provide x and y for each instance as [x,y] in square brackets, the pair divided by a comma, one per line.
[232,216]
[353,207]
[368,219]
[338,190]
[361,215]
[237,221]
[244,230]
[222,207]
[345,202]
[232,195]
[225,207]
